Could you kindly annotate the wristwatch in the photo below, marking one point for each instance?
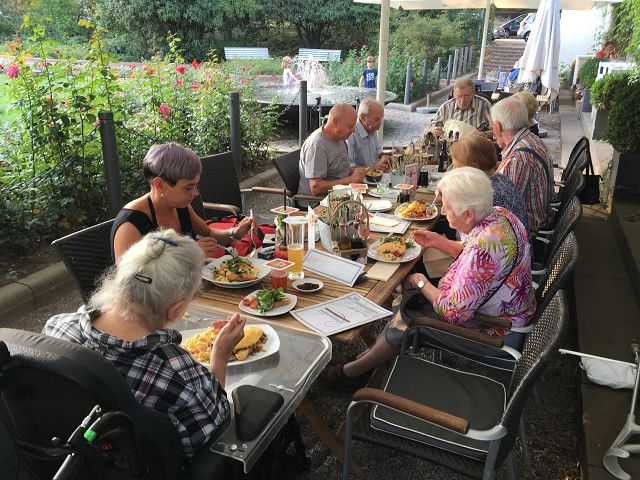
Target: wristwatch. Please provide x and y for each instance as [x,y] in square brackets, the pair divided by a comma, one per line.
[421,284]
[231,235]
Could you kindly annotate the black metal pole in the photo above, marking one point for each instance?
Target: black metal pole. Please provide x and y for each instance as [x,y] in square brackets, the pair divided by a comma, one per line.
[407,84]
[110,160]
[449,65]
[302,113]
[234,118]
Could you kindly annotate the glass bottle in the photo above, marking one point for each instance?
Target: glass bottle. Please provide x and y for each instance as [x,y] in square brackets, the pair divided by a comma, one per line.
[344,242]
[281,237]
[443,159]
[356,238]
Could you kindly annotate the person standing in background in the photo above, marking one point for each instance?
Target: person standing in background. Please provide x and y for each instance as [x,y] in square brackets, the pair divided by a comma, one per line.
[288,78]
[369,76]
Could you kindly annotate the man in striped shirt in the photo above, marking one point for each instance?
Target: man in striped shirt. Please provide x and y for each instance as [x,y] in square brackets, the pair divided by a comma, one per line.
[465,106]
[524,159]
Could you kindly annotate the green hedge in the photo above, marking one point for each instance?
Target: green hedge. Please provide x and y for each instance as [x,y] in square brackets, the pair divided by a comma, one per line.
[588,72]
[624,116]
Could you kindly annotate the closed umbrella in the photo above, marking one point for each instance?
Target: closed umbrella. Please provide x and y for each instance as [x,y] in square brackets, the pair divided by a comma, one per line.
[542,53]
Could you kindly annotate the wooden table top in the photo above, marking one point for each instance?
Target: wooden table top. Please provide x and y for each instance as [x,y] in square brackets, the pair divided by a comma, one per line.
[227,299]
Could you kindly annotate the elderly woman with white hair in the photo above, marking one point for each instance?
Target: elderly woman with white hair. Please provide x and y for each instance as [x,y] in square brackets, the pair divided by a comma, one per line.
[128,321]
[491,274]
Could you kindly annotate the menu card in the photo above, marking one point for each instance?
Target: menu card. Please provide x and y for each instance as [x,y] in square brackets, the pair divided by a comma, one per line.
[387,223]
[339,314]
[331,266]
[411,175]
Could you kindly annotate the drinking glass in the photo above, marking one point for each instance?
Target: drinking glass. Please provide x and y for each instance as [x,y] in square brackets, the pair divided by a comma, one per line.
[295,245]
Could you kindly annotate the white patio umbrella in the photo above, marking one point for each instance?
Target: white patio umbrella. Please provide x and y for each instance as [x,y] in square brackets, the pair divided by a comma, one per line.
[542,53]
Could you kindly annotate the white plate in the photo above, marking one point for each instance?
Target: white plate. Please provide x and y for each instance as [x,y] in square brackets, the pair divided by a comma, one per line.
[397,214]
[377,205]
[271,346]
[263,271]
[308,280]
[271,313]
[432,187]
[409,255]
[373,192]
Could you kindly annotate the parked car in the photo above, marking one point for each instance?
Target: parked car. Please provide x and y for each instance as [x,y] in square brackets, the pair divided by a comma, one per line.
[509,29]
[525,26]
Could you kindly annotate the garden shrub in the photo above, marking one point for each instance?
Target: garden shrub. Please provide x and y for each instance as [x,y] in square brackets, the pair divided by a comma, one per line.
[589,72]
[604,90]
[51,172]
[624,117]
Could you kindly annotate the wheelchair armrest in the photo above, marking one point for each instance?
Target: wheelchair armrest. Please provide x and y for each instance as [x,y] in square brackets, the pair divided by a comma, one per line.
[424,412]
[464,332]
[491,321]
[221,206]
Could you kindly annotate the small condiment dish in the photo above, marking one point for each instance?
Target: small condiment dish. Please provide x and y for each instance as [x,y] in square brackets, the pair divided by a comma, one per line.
[303,282]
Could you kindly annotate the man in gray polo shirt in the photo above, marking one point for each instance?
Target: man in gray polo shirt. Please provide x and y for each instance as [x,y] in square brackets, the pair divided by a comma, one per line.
[324,161]
[364,147]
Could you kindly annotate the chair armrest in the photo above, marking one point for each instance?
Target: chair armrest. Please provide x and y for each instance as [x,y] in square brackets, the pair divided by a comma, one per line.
[491,321]
[246,190]
[543,232]
[555,205]
[424,412]
[274,191]
[221,206]
[491,341]
[558,183]
[300,196]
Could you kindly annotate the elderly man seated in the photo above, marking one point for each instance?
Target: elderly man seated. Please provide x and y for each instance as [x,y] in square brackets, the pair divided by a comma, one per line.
[524,158]
[465,106]
[363,144]
[324,161]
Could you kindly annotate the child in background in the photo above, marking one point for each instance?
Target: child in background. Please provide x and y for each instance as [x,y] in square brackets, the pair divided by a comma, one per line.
[288,78]
[369,76]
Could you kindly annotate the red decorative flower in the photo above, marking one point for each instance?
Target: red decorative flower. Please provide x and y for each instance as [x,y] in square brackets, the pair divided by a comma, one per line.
[13,71]
[97,122]
[244,69]
[195,86]
[273,75]
[600,54]
[410,84]
[164,110]
[180,82]
[179,69]
[258,73]
[242,80]
[194,64]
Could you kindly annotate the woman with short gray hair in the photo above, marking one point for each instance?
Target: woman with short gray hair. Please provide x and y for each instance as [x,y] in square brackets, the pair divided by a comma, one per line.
[173,172]
[128,321]
[491,273]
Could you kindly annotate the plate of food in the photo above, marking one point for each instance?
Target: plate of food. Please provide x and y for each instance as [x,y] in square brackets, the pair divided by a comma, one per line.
[235,272]
[373,175]
[382,192]
[268,302]
[308,285]
[259,341]
[377,205]
[394,249]
[416,211]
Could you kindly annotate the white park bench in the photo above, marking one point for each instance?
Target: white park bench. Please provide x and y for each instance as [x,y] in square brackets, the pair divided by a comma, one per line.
[246,53]
[609,67]
[319,54]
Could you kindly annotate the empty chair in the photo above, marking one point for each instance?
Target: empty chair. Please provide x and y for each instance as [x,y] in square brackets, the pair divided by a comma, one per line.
[580,149]
[544,247]
[469,422]
[86,254]
[575,185]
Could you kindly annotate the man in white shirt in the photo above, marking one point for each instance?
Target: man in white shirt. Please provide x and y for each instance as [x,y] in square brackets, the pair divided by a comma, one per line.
[363,145]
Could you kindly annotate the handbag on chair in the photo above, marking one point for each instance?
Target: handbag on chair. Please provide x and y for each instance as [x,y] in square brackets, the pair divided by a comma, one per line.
[590,195]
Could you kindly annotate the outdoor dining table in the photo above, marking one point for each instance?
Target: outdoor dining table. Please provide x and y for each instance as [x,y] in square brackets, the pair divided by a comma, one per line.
[215,300]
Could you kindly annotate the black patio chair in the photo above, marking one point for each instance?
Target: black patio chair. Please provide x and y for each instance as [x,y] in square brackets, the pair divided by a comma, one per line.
[580,149]
[469,422]
[49,386]
[287,166]
[86,254]
[573,187]
[545,247]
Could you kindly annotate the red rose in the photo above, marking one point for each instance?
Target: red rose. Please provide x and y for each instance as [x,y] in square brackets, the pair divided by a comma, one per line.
[164,110]
[179,69]
[180,82]
[194,64]
[13,71]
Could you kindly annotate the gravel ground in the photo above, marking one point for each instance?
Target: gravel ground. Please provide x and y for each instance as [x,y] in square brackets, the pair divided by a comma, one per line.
[551,423]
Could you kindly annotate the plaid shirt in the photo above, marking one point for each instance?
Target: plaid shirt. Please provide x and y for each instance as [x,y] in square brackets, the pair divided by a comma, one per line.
[477,115]
[529,176]
[162,375]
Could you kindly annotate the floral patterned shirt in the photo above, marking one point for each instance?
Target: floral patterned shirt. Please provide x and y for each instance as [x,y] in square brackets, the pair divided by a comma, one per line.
[496,256]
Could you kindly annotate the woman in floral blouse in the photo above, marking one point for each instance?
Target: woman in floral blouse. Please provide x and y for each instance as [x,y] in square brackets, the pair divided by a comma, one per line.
[491,274]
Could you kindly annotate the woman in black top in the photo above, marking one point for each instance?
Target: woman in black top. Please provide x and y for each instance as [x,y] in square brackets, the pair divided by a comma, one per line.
[173,172]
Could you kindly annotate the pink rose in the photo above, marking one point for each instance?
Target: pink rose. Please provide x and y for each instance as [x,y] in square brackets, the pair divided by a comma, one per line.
[179,69]
[13,71]
[194,64]
[164,110]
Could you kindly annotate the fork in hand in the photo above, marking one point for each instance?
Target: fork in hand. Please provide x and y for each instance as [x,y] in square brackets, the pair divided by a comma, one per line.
[253,243]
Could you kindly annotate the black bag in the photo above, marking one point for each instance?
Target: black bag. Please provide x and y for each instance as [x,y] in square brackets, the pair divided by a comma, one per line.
[590,195]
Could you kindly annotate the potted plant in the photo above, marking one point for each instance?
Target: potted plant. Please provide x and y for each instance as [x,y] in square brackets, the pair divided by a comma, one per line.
[602,94]
[624,135]
[586,77]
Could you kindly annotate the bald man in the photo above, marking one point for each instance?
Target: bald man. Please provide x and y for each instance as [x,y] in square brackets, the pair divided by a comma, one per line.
[364,147]
[324,161]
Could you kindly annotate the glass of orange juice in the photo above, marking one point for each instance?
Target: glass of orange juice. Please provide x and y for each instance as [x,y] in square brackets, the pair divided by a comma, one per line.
[295,244]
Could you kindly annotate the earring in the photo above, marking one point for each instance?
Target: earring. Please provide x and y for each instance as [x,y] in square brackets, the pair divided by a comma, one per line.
[162,195]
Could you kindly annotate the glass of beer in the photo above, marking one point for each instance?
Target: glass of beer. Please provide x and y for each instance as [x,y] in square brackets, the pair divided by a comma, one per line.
[295,244]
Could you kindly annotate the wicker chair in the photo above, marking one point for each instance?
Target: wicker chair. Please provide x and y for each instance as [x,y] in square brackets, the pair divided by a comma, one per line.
[86,254]
[469,422]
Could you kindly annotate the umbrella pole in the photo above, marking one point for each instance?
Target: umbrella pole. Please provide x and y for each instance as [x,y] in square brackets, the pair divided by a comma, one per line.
[484,40]
[381,85]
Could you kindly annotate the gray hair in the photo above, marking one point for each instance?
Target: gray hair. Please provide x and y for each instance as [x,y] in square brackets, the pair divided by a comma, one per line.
[461,83]
[160,270]
[171,162]
[511,113]
[366,104]
[468,188]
